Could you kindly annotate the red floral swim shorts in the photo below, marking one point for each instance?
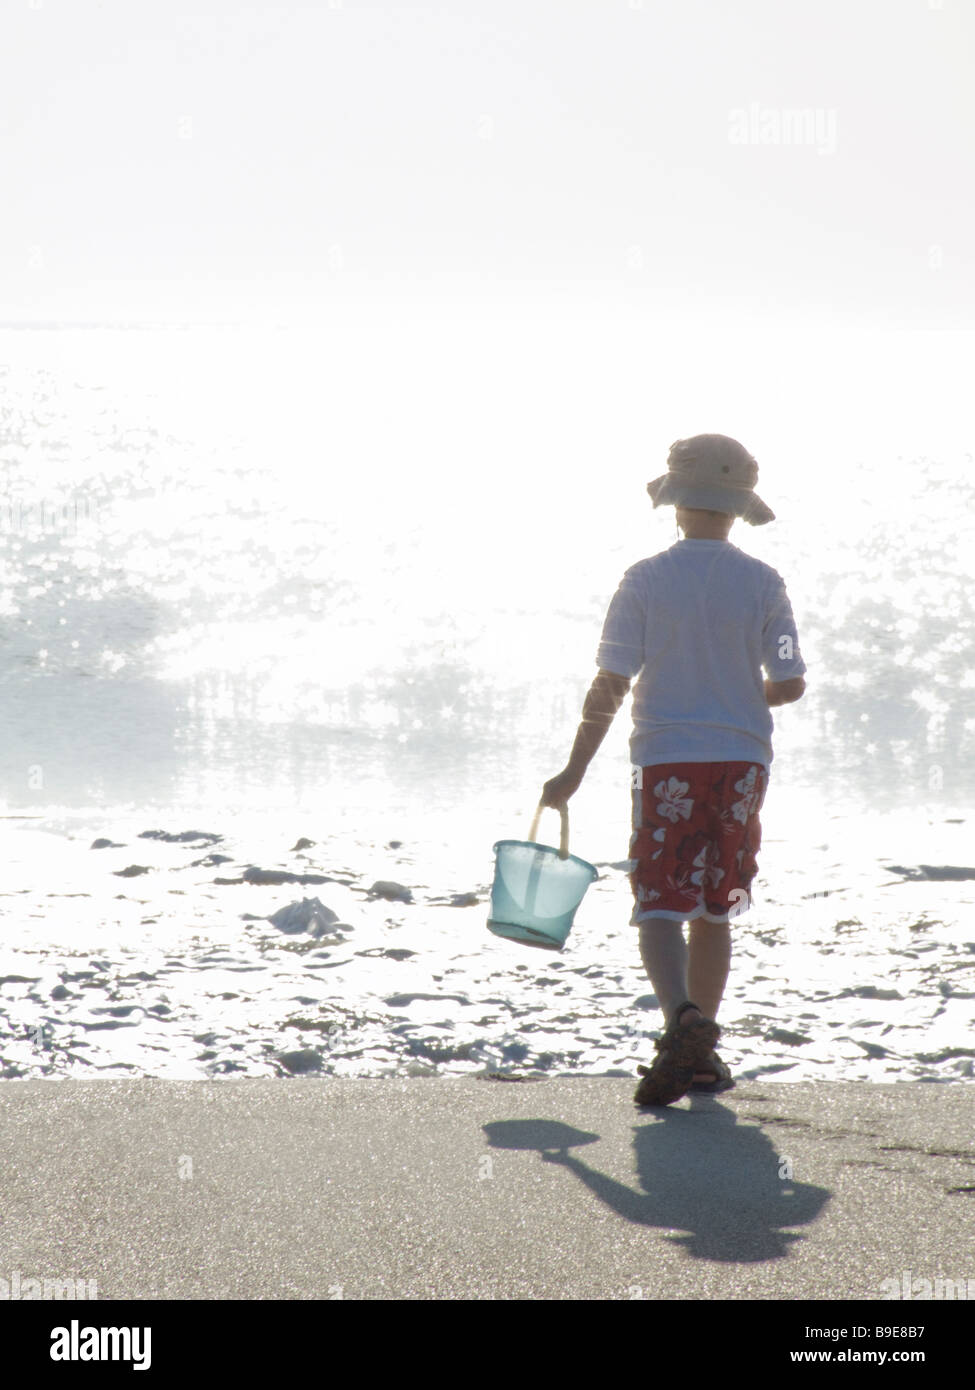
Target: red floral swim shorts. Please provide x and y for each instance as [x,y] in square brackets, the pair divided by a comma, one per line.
[696,834]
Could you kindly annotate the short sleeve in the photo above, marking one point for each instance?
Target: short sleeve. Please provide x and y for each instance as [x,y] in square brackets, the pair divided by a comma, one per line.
[781,656]
[621,647]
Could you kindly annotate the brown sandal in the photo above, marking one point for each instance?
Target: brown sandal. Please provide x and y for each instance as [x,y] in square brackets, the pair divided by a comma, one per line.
[682,1050]
[723,1080]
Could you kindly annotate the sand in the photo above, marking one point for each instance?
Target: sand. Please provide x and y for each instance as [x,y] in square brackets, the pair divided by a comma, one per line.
[462,1188]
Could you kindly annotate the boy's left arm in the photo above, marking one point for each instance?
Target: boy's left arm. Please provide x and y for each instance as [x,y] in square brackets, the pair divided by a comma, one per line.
[606,694]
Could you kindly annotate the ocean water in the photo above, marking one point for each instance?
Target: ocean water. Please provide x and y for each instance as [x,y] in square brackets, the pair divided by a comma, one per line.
[346,583]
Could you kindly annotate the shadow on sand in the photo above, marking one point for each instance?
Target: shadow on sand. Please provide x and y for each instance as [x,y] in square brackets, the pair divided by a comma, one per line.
[699,1171]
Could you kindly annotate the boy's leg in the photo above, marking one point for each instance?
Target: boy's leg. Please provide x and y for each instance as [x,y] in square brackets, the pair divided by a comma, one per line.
[664,954]
[665,959]
[708,963]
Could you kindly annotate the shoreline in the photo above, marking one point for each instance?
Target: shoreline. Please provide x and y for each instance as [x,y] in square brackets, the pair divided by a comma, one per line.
[193,952]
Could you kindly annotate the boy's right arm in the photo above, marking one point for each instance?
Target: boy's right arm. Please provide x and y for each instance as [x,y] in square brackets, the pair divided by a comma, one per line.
[785,692]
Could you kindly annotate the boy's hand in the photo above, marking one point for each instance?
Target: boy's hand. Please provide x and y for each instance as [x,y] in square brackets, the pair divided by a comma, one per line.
[557,790]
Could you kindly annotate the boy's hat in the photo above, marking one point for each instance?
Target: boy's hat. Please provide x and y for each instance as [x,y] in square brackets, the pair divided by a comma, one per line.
[715,473]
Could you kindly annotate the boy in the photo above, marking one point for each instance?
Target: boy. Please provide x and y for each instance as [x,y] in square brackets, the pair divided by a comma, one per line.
[696,623]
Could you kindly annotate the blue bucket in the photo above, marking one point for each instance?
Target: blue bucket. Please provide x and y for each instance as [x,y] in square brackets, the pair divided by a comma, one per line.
[537,889]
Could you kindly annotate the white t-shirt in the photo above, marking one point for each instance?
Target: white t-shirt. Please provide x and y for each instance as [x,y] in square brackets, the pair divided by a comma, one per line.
[697,622]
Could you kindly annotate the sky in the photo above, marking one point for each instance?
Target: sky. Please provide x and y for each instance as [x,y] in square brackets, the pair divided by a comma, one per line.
[702,161]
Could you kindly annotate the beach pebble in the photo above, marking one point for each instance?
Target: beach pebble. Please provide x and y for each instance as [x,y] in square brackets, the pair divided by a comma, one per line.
[436,1050]
[933,872]
[403,1001]
[870,992]
[783,1035]
[252,874]
[181,836]
[308,915]
[394,892]
[304,1060]
[61,992]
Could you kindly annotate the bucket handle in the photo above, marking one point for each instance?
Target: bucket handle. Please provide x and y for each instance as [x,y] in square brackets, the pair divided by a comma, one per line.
[564,835]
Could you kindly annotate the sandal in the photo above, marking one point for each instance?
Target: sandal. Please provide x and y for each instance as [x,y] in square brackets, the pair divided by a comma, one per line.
[682,1050]
[723,1080]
